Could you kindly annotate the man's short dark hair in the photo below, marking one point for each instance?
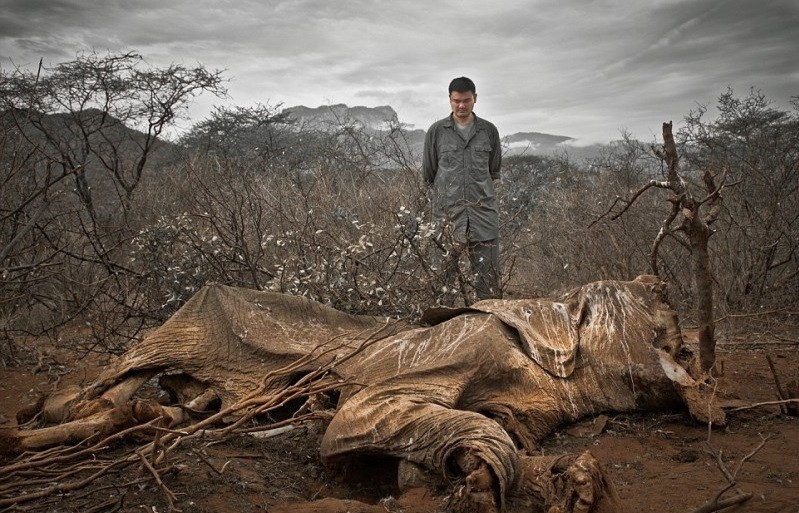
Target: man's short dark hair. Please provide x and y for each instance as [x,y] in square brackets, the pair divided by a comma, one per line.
[462,85]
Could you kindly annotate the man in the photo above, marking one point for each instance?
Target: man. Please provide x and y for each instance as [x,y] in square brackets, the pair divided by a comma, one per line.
[462,160]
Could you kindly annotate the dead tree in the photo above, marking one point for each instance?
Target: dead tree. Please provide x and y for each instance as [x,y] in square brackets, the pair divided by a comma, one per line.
[690,225]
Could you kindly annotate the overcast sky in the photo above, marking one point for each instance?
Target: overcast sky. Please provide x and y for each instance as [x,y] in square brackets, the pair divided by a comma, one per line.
[584,68]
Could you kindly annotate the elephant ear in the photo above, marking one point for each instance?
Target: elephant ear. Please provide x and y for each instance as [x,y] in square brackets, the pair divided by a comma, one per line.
[548,330]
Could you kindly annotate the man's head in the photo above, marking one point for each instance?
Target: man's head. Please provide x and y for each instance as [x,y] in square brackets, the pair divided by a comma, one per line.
[462,97]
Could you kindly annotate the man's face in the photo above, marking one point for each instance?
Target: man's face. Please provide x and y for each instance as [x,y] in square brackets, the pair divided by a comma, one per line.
[462,105]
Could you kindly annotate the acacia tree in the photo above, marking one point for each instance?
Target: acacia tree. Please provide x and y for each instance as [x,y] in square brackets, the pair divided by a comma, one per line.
[96,123]
[758,247]
[262,131]
[79,114]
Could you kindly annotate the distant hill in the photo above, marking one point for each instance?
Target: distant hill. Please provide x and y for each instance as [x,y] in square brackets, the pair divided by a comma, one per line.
[383,117]
[373,118]
[104,147]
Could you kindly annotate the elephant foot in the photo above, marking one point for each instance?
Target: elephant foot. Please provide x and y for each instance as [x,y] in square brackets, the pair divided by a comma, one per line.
[477,493]
[465,501]
[564,484]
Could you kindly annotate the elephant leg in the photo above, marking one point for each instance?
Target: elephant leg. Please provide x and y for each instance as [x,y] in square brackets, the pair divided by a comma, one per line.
[415,424]
[95,426]
[116,396]
[191,393]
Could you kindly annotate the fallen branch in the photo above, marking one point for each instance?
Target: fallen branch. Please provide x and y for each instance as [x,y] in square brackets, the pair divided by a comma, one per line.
[718,505]
[109,506]
[60,455]
[765,313]
[765,403]
[785,340]
[717,455]
[64,487]
[752,453]
[169,494]
[205,460]
[780,392]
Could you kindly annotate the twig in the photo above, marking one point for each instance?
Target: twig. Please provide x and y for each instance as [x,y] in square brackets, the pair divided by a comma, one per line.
[780,393]
[782,339]
[211,465]
[64,487]
[628,203]
[114,486]
[750,345]
[717,455]
[157,439]
[115,503]
[754,314]
[752,453]
[66,454]
[766,403]
[170,496]
[717,503]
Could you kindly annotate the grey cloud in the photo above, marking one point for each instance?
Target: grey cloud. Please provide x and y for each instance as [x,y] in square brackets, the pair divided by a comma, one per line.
[543,65]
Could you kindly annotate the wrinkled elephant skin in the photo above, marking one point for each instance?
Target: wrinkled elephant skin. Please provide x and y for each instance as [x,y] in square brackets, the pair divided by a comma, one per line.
[466,398]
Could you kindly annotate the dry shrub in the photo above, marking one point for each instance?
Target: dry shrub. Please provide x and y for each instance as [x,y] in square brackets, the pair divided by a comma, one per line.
[354,240]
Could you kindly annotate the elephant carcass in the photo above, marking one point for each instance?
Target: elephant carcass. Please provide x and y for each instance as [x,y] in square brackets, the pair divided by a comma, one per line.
[468,398]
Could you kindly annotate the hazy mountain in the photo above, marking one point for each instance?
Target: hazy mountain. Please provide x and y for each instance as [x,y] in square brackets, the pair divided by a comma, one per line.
[372,118]
[383,117]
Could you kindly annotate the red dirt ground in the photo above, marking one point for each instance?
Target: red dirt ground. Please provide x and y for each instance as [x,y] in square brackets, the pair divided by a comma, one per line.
[658,462]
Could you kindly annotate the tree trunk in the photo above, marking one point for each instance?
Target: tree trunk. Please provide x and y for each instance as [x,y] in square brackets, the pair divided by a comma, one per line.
[698,235]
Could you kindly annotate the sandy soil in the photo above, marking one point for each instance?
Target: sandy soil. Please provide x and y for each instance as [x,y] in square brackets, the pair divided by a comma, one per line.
[658,462]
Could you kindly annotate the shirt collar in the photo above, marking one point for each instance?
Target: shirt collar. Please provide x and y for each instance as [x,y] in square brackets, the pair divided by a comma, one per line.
[450,122]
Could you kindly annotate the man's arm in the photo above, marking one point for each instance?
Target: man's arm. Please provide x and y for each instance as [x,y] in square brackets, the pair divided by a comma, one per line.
[495,158]
[430,158]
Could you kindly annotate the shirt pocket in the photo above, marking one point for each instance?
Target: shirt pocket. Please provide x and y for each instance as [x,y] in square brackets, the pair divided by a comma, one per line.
[481,154]
[451,156]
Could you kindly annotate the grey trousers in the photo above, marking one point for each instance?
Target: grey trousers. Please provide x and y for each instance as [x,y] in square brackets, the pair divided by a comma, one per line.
[484,260]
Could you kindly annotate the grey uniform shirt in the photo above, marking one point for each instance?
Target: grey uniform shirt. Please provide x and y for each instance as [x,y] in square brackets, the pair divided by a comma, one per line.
[460,170]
